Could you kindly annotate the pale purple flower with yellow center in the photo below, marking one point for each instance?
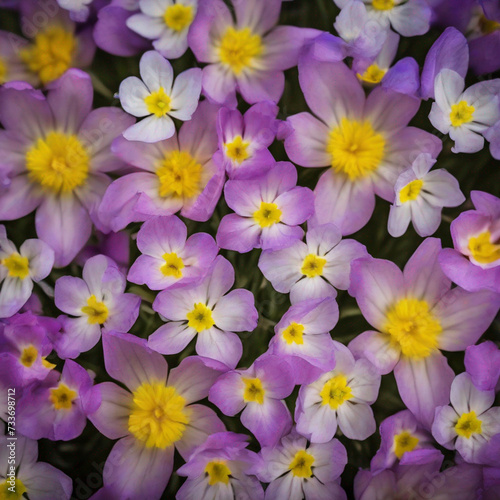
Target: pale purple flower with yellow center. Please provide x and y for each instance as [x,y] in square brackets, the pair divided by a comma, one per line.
[175,174]
[408,18]
[365,141]
[244,139]
[268,210]
[19,269]
[420,195]
[153,417]
[399,434]
[39,480]
[166,22]
[416,314]
[297,470]
[474,262]
[95,302]
[57,407]
[258,391]
[469,423]
[482,363]
[58,154]
[159,98]
[302,338]
[24,345]
[169,259]
[219,469]
[207,312]
[340,397]
[464,115]
[247,53]
[312,269]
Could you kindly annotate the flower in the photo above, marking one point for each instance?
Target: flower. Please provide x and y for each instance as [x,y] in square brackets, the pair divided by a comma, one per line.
[258,391]
[153,417]
[205,311]
[469,423]
[310,270]
[175,174]
[268,210]
[96,302]
[159,98]
[417,314]
[168,259]
[58,152]
[19,269]
[421,196]
[167,22]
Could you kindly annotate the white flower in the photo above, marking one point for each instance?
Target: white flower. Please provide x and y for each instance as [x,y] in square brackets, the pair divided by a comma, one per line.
[166,22]
[158,97]
[464,115]
[421,196]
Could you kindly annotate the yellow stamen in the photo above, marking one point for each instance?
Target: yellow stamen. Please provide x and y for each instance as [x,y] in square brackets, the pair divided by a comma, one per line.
[97,311]
[218,472]
[178,17]
[468,424]
[173,265]
[294,333]
[12,492]
[179,175]
[373,74]
[383,4]
[28,356]
[335,392]
[158,103]
[403,442]
[254,392]
[483,250]
[200,318]
[62,397]
[17,266]
[313,266]
[267,215]
[301,465]
[411,191]
[461,113]
[3,71]
[239,48]
[236,150]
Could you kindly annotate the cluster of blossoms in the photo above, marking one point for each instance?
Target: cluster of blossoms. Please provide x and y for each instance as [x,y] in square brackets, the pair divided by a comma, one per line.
[180,293]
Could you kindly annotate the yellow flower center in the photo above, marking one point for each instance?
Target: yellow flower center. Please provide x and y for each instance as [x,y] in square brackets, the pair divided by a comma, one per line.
[383,4]
[313,266]
[12,492]
[488,26]
[3,71]
[301,464]
[158,416]
[483,250]
[238,48]
[218,472]
[236,150]
[355,148]
[51,53]
[17,266]
[200,318]
[373,74]
[28,356]
[178,17]
[294,333]
[468,424]
[461,113]
[413,327]
[48,364]
[62,397]
[335,392]
[404,442]
[254,392]
[267,215]
[173,265]
[158,103]
[411,191]
[59,162]
[179,175]
[97,312]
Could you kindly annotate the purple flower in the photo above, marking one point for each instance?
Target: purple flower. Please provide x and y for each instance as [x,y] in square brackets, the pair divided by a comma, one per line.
[208,312]
[365,141]
[258,391]
[39,480]
[247,54]
[268,210]
[12,67]
[58,154]
[342,396]
[96,302]
[168,259]
[310,270]
[244,139]
[151,418]
[175,174]
[417,314]
[219,469]
[482,363]
[474,263]
[18,271]
[57,407]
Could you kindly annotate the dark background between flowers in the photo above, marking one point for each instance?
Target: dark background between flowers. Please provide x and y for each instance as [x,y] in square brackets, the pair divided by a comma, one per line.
[83,458]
